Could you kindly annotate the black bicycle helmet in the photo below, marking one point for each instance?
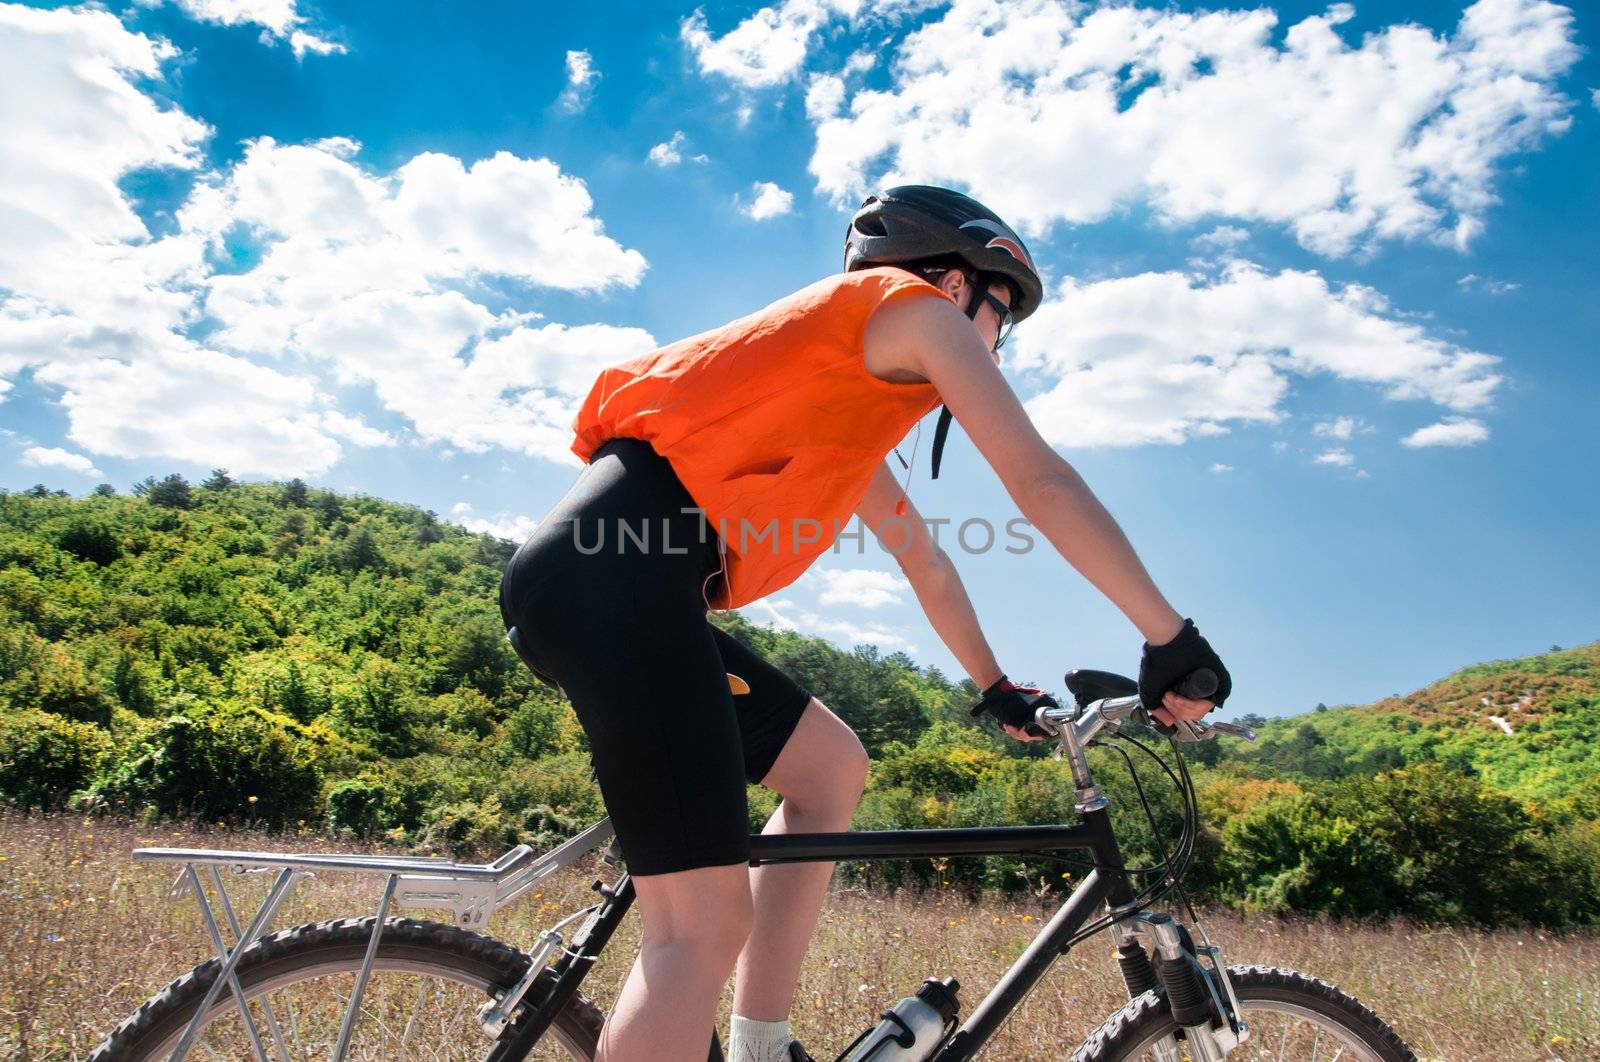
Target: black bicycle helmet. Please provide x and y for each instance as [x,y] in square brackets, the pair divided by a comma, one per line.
[910,222]
[915,221]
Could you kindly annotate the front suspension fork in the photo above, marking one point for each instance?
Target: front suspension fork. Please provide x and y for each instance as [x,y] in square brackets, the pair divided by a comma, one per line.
[1191,991]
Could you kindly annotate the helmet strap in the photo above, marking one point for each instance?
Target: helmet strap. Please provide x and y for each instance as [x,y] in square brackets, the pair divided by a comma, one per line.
[942,429]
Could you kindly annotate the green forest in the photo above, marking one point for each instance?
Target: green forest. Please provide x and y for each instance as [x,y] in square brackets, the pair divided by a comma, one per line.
[287,657]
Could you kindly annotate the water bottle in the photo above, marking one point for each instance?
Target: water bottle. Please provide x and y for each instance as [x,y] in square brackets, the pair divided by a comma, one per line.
[912,1029]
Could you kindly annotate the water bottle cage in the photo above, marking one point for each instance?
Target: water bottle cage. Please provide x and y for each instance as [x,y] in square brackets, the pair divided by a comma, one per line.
[906,1037]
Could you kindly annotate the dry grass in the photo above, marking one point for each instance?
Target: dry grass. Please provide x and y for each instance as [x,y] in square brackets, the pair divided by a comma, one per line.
[87,934]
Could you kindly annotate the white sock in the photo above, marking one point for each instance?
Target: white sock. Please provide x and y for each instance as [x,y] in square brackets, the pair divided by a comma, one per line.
[758,1041]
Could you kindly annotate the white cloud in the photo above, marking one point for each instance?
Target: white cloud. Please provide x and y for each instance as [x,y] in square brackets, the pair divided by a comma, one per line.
[278,18]
[1221,238]
[1337,428]
[74,124]
[670,152]
[1220,468]
[195,404]
[500,525]
[432,218]
[303,42]
[353,278]
[518,389]
[581,76]
[786,614]
[361,273]
[862,587]
[54,457]
[1338,457]
[1473,282]
[1200,115]
[1452,431]
[766,48]
[88,300]
[354,430]
[767,200]
[1165,357]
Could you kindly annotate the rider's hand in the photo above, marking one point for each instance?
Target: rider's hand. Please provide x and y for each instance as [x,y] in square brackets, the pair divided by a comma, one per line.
[1021,735]
[1164,666]
[1174,705]
[1013,706]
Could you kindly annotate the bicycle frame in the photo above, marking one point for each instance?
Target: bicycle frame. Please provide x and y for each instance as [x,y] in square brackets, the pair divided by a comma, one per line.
[474,892]
[1106,884]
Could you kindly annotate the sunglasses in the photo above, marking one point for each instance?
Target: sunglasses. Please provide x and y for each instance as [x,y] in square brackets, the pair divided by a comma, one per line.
[1007,319]
[1003,312]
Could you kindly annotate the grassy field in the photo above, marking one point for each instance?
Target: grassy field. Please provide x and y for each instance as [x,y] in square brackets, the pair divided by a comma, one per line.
[87,934]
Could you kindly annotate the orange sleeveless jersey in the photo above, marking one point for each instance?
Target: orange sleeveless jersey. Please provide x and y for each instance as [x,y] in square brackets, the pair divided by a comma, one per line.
[772,422]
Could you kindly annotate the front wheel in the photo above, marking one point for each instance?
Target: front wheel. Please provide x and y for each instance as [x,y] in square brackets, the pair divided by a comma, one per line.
[1292,1018]
[420,1003]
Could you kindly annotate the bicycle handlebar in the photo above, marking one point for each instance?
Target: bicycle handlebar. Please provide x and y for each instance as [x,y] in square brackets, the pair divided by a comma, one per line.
[1109,712]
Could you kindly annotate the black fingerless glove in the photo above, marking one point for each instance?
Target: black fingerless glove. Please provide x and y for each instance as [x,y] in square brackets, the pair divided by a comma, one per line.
[1012,704]
[1164,666]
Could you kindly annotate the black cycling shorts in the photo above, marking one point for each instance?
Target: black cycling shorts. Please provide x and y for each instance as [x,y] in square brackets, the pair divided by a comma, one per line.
[606,597]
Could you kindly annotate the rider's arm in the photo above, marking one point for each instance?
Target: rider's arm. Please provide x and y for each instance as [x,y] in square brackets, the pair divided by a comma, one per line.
[932,577]
[933,337]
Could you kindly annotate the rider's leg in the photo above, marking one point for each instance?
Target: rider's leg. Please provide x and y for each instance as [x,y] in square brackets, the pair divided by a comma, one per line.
[820,774]
[693,925]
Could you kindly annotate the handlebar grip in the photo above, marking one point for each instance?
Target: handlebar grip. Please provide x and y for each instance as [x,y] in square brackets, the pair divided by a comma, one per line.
[1200,685]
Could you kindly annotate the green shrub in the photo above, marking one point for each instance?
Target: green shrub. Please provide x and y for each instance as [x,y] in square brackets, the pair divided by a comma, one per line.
[357,806]
[936,770]
[540,726]
[379,707]
[45,758]
[219,765]
[470,827]
[35,673]
[562,782]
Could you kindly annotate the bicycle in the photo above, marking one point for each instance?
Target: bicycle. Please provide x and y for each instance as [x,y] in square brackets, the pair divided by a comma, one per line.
[1185,1002]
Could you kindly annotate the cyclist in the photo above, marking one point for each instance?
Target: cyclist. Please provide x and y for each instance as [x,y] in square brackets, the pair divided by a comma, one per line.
[717,469]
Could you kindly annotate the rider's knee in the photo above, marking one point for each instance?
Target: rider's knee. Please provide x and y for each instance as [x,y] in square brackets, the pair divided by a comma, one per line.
[851,777]
[835,791]
[840,789]
[712,915]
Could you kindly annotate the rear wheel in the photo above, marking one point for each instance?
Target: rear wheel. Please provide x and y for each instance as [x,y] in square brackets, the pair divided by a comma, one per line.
[427,981]
[1292,1018]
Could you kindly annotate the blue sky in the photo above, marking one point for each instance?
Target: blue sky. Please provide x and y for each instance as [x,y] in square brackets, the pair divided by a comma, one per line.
[1320,330]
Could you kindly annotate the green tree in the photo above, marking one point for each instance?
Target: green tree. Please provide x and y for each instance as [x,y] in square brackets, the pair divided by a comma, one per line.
[171,492]
[379,707]
[360,552]
[219,480]
[329,509]
[89,537]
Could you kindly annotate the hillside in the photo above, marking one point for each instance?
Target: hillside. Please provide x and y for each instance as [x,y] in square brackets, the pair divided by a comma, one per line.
[282,654]
[1525,726]
[275,656]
